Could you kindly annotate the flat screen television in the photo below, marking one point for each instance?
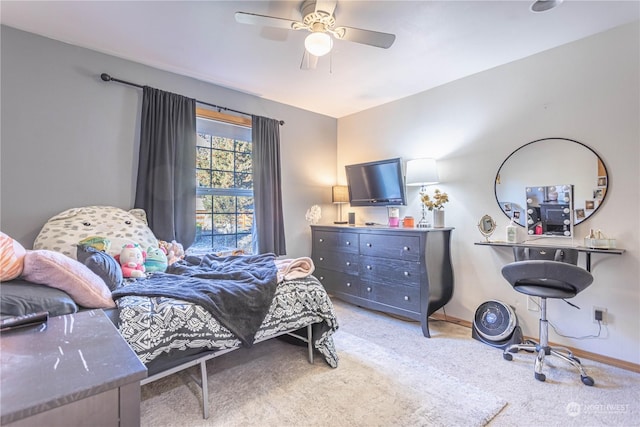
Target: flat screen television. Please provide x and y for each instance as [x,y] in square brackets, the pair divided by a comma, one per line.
[379,183]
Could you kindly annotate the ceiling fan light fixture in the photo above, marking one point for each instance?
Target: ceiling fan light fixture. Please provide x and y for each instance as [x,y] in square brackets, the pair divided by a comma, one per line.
[544,5]
[318,43]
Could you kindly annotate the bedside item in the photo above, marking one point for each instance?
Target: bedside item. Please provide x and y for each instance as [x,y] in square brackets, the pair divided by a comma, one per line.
[597,240]
[340,196]
[313,215]
[549,161]
[394,217]
[408,222]
[422,172]
[352,218]
[511,232]
[547,276]
[487,226]
[402,271]
[26,320]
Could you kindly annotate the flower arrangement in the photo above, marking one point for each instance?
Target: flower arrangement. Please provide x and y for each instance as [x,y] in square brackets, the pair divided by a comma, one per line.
[313,214]
[438,201]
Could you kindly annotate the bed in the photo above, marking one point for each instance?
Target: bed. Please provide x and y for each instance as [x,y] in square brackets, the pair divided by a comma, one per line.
[188,314]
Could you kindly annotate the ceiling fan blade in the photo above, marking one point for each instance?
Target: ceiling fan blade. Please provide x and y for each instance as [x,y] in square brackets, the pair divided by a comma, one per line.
[372,38]
[267,21]
[328,6]
[309,61]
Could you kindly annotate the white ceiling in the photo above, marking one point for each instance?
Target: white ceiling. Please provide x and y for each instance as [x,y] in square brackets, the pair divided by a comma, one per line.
[437,42]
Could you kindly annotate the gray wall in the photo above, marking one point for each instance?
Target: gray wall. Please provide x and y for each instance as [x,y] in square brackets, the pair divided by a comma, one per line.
[588,91]
[69,139]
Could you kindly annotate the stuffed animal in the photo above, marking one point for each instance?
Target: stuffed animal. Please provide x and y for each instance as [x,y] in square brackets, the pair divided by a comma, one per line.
[174,251]
[120,227]
[101,244]
[131,260]
[156,260]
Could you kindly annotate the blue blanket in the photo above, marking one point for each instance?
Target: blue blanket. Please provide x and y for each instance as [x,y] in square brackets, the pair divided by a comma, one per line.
[236,290]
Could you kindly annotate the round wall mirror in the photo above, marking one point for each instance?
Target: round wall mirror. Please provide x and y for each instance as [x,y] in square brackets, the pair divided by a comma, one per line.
[550,162]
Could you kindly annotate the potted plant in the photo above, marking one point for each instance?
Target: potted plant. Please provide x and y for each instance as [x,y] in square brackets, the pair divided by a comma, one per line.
[435,204]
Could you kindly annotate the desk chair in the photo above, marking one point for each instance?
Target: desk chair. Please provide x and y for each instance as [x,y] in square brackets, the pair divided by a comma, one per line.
[552,274]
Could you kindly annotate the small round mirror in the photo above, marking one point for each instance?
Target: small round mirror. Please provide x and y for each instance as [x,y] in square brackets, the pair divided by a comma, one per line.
[486,226]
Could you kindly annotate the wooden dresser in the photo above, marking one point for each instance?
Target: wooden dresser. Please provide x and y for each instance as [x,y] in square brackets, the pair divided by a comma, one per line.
[404,271]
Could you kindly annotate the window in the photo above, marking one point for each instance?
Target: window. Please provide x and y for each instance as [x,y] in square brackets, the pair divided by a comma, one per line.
[224,183]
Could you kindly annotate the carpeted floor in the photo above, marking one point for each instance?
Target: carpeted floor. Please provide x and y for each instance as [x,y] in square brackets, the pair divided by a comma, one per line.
[390,375]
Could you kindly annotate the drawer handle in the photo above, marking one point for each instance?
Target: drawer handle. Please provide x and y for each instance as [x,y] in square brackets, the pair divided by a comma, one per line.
[321,259]
[368,289]
[348,263]
[321,278]
[369,267]
[406,298]
[321,240]
[406,273]
[348,285]
[369,244]
[406,248]
[348,243]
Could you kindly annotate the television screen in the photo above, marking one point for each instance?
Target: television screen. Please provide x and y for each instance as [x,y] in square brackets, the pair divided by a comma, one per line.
[378,183]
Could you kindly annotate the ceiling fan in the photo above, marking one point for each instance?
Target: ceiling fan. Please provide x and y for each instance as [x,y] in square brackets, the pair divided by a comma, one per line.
[317,18]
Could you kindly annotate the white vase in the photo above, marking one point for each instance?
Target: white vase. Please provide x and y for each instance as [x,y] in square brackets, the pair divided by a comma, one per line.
[438,218]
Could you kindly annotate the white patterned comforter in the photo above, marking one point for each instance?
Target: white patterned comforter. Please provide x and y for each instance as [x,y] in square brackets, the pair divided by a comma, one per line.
[157,325]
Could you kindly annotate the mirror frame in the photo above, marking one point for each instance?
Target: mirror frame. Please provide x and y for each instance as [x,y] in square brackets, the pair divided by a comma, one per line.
[492,226]
[514,152]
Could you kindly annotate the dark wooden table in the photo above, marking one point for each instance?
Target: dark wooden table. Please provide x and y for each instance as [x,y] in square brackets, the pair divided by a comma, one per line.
[74,370]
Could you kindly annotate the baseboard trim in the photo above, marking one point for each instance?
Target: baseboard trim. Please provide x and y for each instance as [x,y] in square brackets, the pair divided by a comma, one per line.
[633,367]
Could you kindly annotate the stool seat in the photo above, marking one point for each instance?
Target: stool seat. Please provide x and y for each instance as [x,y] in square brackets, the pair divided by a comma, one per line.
[544,273]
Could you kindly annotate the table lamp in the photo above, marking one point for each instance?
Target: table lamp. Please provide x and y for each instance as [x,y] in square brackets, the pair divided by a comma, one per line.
[422,172]
[340,196]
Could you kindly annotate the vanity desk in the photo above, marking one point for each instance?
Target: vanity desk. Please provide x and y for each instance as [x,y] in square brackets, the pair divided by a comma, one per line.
[587,251]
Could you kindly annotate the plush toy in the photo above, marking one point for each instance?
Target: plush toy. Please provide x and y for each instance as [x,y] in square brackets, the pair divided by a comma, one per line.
[174,250]
[131,260]
[156,260]
[120,227]
[100,243]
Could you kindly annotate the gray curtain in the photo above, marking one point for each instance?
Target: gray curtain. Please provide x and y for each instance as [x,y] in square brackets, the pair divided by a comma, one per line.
[268,218]
[166,187]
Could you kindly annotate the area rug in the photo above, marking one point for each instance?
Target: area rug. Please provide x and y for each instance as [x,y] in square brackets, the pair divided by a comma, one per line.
[274,385]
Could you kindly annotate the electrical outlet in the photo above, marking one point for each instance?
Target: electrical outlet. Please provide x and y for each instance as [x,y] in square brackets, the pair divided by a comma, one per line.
[599,315]
[533,303]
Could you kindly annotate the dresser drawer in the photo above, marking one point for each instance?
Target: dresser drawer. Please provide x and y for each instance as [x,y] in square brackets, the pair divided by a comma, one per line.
[344,262]
[402,297]
[388,246]
[335,241]
[401,272]
[334,281]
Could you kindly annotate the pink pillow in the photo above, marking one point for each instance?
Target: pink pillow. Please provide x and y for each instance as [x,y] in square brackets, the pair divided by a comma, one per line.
[61,272]
[11,258]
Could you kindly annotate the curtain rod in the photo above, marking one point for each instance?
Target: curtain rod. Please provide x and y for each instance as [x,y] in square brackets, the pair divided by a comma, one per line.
[107,78]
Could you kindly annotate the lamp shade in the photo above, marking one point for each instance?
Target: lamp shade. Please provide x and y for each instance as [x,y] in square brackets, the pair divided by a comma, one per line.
[318,43]
[422,172]
[339,194]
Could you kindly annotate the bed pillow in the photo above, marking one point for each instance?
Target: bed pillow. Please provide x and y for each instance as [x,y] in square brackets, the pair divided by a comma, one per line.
[11,258]
[19,297]
[61,272]
[101,263]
